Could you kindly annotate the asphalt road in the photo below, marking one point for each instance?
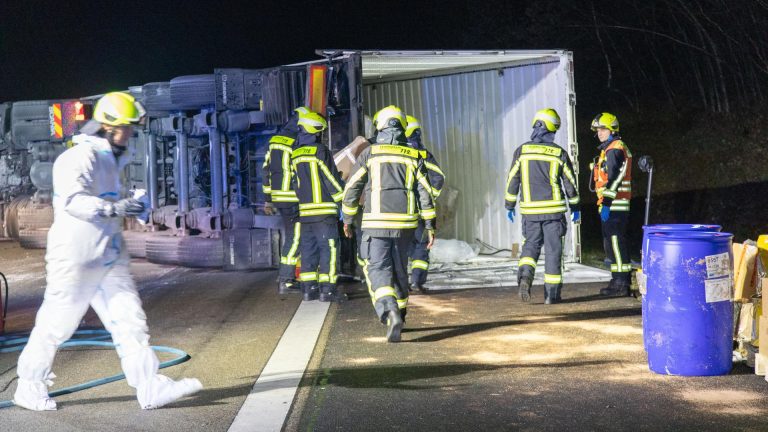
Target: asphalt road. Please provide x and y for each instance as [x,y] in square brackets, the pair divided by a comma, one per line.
[470,360]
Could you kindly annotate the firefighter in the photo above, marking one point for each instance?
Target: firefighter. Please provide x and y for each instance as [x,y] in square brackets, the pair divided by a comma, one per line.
[612,181]
[319,188]
[397,193]
[541,171]
[281,198]
[419,253]
[87,263]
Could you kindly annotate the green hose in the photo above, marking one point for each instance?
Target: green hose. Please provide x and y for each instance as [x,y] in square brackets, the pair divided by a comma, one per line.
[96,338]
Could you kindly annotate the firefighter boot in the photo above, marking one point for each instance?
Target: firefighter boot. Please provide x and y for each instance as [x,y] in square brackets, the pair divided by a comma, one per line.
[310,290]
[615,288]
[331,293]
[525,288]
[288,286]
[391,315]
[551,294]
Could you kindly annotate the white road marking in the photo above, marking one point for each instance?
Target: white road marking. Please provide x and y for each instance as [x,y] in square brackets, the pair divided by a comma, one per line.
[267,406]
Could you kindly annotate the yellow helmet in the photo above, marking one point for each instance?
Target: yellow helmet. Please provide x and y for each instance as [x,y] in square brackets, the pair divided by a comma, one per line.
[549,117]
[118,108]
[302,110]
[312,122]
[605,120]
[389,116]
[413,125]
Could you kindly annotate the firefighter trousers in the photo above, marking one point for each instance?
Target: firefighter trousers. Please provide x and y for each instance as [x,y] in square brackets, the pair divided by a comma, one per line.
[419,256]
[551,235]
[386,271]
[289,253]
[319,254]
[615,245]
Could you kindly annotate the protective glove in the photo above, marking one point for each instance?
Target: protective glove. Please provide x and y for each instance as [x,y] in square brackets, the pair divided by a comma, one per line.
[141,195]
[605,213]
[431,237]
[576,216]
[341,215]
[127,207]
[511,215]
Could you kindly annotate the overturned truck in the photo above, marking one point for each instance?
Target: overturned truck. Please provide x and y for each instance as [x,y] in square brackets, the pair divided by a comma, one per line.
[200,152]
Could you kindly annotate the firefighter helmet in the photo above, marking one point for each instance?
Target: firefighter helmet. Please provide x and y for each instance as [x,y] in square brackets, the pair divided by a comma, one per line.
[413,125]
[549,117]
[302,110]
[607,121]
[312,122]
[117,109]
[390,116]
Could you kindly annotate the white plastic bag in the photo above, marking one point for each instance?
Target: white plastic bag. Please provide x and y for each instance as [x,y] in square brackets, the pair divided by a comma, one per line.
[451,250]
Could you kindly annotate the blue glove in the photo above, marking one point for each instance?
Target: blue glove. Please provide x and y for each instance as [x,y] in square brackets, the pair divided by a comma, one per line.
[605,213]
[511,215]
[576,216]
[341,215]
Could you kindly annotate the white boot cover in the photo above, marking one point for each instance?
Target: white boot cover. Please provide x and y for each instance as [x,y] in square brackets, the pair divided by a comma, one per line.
[161,390]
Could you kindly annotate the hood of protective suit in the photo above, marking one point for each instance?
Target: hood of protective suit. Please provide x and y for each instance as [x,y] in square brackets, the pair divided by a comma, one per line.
[414,141]
[304,139]
[102,145]
[540,134]
[391,135]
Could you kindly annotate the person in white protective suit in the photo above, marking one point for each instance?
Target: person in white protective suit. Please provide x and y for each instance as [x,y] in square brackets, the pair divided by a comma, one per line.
[86,264]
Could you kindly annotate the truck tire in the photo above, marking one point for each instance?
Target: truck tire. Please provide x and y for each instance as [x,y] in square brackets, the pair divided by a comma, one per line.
[30,110]
[195,90]
[11,216]
[200,252]
[136,243]
[33,239]
[196,252]
[163,249]
[33,130]
[32,217]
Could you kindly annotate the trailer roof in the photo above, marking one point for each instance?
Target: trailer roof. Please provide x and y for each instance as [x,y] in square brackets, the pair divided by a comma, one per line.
[397,65]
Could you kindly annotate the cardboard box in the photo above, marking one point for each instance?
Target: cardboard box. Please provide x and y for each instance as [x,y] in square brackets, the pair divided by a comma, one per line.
[744,275]
[345,158]
[761,358]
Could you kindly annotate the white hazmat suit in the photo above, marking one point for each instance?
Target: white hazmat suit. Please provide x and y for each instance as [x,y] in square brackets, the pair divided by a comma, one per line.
[86,264]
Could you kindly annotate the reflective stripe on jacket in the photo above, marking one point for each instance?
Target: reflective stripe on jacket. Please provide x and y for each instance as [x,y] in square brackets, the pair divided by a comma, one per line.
[317,182]
[396,190]
[540,173]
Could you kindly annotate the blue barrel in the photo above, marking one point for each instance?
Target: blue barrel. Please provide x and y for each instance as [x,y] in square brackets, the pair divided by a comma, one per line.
[649,229]
[689,324]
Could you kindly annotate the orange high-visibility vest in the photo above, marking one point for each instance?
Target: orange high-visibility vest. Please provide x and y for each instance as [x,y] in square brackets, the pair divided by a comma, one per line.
[620,188]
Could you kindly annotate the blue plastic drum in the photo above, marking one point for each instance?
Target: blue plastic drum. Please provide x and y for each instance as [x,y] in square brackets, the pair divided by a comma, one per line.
[689,322]
[649,229]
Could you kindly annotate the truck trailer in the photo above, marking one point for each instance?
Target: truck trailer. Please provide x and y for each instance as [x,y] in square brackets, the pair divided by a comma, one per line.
[200,151]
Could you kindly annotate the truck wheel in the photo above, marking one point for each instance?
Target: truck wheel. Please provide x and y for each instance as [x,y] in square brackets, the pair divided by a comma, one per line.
[31,216]
[195,90]
[30,110]
[33,130]
[201,252]
[33,239]
[163,249]
[11,216]
[136,243]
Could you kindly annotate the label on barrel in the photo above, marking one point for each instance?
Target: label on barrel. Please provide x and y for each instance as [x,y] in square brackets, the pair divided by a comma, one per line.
[718,290]
[718,265]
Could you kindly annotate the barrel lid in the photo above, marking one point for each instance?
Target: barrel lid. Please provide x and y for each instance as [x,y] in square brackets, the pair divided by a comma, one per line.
[707,236]
[682,227]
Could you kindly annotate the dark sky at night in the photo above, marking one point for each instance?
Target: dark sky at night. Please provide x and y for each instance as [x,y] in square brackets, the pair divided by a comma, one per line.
[60,49]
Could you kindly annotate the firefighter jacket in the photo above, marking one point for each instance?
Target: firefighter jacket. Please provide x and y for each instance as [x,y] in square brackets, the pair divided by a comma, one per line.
[393,181]
[540,173]
[434,173]
[276,171]
[316,180]
[612,175]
